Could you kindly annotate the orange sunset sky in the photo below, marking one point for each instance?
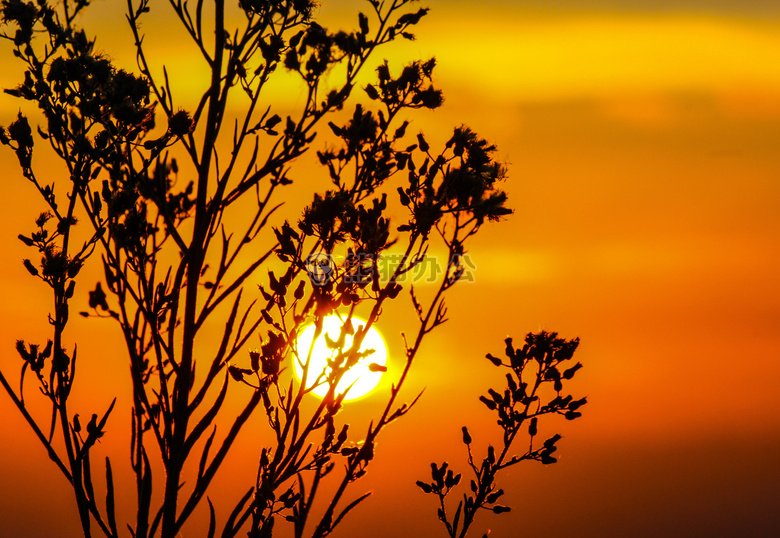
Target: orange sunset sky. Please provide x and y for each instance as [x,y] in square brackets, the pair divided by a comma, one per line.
[643,146]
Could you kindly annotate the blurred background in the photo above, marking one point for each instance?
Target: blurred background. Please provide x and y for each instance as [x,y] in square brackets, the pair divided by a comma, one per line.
[642,141]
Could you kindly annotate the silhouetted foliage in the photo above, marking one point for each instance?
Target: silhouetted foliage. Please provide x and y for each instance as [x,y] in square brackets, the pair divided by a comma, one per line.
[534,386]
[170,262]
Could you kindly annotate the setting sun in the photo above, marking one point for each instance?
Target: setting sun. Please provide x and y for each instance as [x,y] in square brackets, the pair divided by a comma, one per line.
[358,380]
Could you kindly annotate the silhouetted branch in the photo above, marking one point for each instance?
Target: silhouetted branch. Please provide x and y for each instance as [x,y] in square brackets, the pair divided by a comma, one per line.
[534,375]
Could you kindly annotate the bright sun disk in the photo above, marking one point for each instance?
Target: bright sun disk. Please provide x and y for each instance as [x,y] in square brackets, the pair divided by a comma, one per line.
[360,377]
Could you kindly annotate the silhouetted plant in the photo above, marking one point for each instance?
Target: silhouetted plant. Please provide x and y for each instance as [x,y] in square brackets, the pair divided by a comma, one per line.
[171,263]
[534,389]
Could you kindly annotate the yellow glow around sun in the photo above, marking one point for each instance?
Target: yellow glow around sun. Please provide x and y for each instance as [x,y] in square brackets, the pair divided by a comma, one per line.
[358,380]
